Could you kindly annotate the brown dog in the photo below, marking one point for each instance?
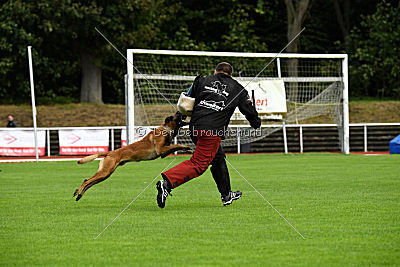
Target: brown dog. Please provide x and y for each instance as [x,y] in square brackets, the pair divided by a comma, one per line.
[153,145]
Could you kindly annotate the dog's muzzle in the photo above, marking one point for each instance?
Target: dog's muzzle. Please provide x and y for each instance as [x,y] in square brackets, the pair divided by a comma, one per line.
[186,104]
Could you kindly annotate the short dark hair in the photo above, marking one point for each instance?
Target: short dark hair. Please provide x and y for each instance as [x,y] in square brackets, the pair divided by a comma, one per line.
[224,67]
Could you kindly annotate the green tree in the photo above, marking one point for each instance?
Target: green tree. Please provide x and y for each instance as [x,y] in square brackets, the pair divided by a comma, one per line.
[67,47]
[21,25]
[127,23]
[240,33]
[222,25]
[72,61]
[374,63]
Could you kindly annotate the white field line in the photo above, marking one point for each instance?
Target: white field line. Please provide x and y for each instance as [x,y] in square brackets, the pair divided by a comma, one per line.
[267,201]
[119,214]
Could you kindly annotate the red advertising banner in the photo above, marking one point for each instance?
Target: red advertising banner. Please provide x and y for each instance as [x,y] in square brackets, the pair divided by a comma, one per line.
[83,142]
[72,150]
[21,142]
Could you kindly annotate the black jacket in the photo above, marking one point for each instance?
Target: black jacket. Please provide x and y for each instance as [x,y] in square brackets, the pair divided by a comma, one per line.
[217,96]
[11,124]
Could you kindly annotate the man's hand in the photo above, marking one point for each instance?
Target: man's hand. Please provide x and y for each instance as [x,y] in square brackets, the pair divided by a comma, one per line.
[256,123]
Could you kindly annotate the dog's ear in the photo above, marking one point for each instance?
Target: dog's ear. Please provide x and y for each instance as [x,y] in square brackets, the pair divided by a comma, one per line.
[170,118]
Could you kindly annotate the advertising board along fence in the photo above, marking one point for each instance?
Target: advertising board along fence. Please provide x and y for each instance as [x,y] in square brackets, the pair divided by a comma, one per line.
[364,137]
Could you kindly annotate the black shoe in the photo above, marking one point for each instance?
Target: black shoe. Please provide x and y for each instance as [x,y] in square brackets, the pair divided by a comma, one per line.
[227,200]
[163,191]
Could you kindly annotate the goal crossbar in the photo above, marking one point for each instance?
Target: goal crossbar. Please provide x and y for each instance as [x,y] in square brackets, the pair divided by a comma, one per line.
[232,54]
[191,78]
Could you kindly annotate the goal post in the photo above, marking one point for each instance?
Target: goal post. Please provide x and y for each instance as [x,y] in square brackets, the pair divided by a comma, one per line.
[129,101]
[316,86]
[345,105]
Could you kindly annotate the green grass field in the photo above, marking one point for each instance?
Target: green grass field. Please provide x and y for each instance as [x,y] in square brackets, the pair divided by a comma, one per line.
[347,207]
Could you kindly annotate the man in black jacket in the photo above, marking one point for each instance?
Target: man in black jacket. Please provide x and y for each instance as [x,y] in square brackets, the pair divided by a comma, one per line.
[217,97]
[10,121]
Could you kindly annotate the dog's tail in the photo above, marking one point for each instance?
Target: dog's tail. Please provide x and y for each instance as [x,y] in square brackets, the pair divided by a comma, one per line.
[92,157]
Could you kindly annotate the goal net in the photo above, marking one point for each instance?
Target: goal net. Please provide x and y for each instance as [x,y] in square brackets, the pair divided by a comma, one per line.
[314,89]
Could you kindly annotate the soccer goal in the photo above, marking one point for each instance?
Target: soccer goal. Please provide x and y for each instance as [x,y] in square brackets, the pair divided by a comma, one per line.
[315,88]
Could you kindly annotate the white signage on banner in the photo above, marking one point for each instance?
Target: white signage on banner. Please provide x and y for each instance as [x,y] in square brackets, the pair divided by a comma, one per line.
[270,96]
[21,142]
[83,142]
[140,133]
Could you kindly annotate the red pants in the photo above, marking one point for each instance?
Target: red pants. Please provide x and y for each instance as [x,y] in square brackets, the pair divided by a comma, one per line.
[206,148]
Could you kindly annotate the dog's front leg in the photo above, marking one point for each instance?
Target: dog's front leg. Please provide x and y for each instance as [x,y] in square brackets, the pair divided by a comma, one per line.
[167,150]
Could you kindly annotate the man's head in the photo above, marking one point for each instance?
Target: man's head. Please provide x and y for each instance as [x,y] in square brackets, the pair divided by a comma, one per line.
[224,67]
[10,117]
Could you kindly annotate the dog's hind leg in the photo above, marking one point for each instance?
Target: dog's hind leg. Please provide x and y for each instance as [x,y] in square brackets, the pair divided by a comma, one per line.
[97,178]
[106,168]
[85,181]
[91,182]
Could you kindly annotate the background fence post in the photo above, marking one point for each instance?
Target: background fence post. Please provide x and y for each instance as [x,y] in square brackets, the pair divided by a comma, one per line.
[284,138]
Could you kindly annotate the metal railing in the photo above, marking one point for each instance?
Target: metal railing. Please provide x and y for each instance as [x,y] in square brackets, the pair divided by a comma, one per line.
[299,128]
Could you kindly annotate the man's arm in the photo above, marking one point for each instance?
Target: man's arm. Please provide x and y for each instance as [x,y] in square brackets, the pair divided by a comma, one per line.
[248,110]
[194,88]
